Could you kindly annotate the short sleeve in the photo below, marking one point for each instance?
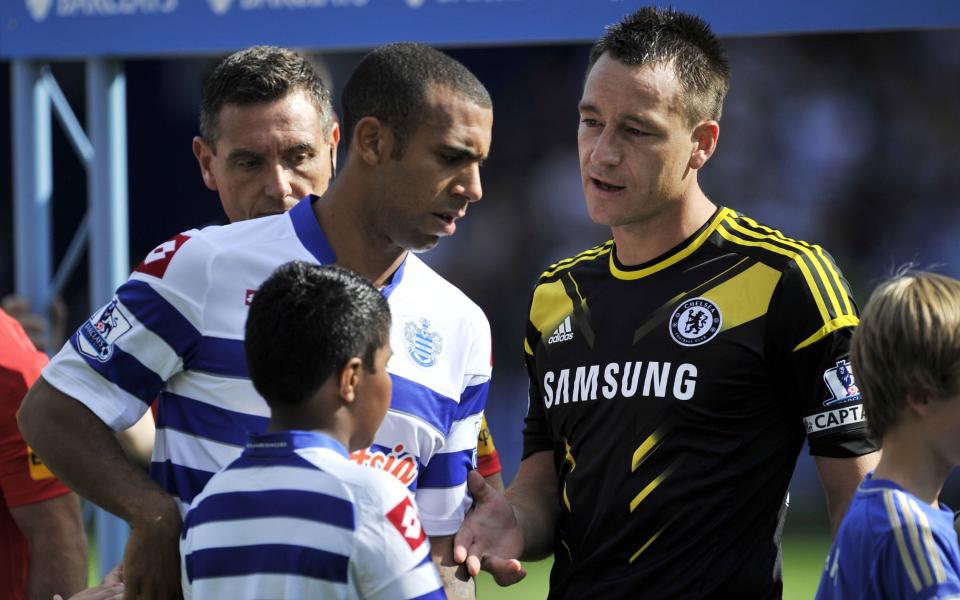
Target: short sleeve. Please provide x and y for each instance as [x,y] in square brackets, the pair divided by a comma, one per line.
[918,569]
[392,557]
[120,358]
[813,315]
[536,433]
[441,488]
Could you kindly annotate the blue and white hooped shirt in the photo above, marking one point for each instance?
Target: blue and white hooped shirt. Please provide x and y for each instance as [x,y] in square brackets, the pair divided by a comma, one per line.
[174,331]
[294,518]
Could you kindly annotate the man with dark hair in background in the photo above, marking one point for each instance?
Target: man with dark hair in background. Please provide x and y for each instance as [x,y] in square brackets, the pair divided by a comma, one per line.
[268,132]
[674,369]
[176,327]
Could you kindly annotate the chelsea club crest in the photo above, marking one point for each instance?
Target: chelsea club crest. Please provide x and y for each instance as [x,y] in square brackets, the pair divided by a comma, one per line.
[423,344]
[695,322]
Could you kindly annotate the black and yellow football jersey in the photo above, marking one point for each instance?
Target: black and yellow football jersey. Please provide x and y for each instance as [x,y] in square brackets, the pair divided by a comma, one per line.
[675,397]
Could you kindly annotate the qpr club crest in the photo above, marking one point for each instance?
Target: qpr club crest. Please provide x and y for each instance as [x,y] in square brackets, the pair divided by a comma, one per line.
[98,335]
[422,343]
[695,322]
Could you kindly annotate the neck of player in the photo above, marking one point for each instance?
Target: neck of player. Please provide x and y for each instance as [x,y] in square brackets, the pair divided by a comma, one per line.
[298,420]
[916,467]
[650,236]
[353,235]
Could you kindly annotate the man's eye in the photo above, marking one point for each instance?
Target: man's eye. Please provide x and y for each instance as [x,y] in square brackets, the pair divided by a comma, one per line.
[590,122]
[300,158]
[247,164]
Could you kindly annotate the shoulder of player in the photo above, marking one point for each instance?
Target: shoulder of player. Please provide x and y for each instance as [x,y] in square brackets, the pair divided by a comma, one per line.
[582,260]
[372,490]
[220,239]
[808,273]
[892,513]
[188,256]
[743,235]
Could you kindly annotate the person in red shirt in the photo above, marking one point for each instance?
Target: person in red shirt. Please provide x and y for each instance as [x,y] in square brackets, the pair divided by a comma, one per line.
[43,548]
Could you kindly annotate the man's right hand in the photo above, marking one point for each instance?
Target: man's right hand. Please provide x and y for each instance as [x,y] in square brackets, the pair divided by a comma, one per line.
[151,560]
[82,451]
[490,537]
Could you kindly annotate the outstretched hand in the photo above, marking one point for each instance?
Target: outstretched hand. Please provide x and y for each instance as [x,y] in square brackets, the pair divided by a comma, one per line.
[111,588]
[490,537]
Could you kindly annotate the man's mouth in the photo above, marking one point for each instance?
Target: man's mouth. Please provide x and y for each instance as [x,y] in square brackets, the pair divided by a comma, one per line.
[449,217]
[605,186]
[448,221]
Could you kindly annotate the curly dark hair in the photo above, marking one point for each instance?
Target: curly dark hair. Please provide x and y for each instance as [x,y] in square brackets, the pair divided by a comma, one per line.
[305,322]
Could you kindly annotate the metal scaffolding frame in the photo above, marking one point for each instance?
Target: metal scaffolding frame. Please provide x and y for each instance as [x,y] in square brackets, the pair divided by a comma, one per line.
[36,96]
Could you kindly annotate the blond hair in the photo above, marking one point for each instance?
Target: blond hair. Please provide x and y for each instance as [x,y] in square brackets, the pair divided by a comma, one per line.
[907,344]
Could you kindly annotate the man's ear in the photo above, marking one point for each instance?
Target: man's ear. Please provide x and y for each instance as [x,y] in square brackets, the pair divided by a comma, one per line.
[704,138]
[350,378]
[372,140]
[334,140]
[919,404]
[204,154]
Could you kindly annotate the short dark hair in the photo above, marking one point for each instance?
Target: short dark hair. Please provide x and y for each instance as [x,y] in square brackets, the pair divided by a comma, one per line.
[391,84]
[257,75]
[305,322]
[907,343]
[672,38]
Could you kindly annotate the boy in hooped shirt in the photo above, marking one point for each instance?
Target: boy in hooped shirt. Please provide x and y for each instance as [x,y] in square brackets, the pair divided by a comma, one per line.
[293,517]
[897,540]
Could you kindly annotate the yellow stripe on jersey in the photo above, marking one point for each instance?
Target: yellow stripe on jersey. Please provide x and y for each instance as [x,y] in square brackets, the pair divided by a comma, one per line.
[799,251]
[844,321]
[697,242]
[527,348]
[576,288]
[652,539]
[570,460]
[566,263]
[901,543]
[834,274]
[570,554]
[745,296]
[818,298]
[933,553]
[914,532]
[551,304]
[645,449]
[829,277]
[653,485]
[804,250]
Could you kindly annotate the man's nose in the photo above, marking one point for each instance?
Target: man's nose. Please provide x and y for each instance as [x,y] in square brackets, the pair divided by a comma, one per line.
[278,182]
[469,185]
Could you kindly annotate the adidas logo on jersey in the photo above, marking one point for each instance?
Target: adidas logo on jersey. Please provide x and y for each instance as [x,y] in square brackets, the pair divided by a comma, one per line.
[564,332]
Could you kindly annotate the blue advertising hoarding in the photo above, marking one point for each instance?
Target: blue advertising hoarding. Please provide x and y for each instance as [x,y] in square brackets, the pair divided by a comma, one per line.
[65,29]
